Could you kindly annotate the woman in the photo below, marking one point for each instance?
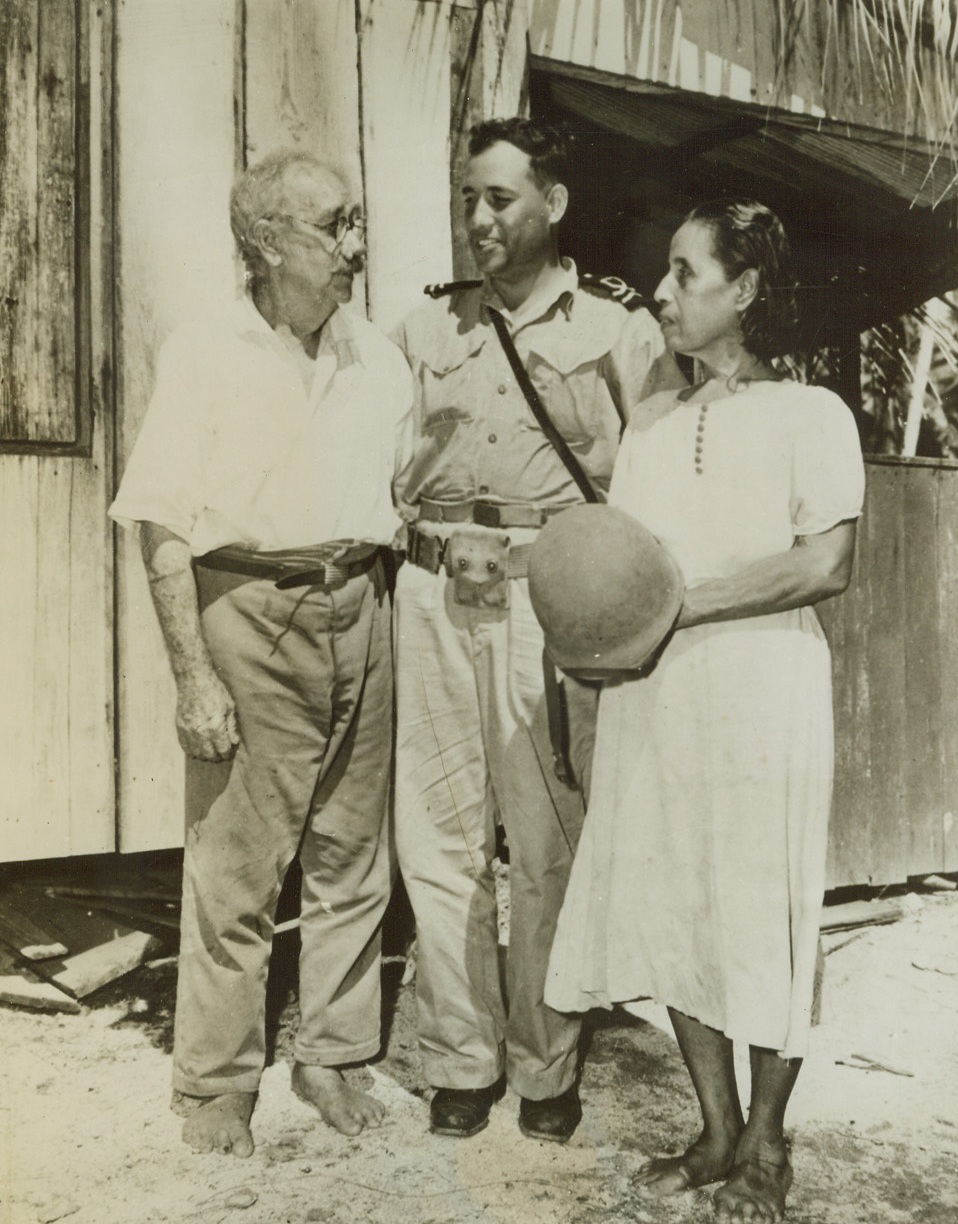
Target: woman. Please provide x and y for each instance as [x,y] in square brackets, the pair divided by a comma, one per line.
[700,875]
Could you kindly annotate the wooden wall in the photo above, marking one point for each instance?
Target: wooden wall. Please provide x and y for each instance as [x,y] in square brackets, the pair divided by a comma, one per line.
[175,155]
[896,681]
[377,85]
[56,715]
[42,250]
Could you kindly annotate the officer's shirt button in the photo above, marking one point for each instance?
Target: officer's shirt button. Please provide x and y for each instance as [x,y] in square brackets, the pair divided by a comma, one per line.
[502,388]
[483,489]
[493,438]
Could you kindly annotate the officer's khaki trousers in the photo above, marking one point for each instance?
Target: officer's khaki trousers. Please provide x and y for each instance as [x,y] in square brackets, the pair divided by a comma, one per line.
[310,671]
[473,740]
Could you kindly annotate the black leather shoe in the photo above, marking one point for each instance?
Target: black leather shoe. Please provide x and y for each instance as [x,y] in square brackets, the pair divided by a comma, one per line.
[460,1112]
[554,1119]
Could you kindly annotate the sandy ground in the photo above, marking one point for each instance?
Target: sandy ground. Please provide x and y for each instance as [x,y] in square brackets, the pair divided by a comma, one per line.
[88,1137]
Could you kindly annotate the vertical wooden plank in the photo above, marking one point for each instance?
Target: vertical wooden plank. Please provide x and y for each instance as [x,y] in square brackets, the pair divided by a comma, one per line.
[924,801]
[55,412]
[504,42]
[56,745]
[466,95]
[89,698]
[948,646]
[18,219]
[92,713]
[18,598]
[882,827]
[56,748]
[301,84]
[405,100]
[175,133]
[56,605]
[844,619]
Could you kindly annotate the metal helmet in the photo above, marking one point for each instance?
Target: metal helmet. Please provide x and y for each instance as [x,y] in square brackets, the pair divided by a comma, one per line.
[605,591]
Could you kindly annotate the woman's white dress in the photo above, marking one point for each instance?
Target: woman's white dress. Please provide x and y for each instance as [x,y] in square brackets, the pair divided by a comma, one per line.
[699,877]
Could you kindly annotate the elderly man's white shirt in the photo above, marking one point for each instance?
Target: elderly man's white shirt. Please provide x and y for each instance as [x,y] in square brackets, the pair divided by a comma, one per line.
[246,441]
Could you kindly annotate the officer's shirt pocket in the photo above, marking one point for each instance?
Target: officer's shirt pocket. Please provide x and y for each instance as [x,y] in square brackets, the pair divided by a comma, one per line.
[565,371]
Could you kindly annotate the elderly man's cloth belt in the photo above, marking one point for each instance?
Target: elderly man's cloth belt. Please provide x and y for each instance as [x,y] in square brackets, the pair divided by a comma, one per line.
[322,565]
[433,554]
[486,513]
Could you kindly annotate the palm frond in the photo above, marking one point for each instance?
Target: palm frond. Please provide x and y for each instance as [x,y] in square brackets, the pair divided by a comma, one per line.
[909,47]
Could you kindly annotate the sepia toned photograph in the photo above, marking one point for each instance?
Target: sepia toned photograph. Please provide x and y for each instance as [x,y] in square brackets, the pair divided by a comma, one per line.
[479,611]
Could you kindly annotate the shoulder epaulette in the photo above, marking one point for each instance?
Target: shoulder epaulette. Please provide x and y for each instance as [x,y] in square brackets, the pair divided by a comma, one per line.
[438,291]
[615,288]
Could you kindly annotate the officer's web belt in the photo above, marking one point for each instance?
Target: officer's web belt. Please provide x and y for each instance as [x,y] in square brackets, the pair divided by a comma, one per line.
[430,553]
[322,565]
[486,513]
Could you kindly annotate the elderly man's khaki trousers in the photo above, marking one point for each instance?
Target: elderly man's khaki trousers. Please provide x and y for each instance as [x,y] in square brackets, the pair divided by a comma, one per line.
[310,670]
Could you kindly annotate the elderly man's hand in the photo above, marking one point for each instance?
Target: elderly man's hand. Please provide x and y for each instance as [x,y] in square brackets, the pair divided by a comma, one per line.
[206,718]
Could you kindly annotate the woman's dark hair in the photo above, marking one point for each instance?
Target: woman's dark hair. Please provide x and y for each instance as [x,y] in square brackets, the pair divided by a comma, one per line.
[746,234]
[547,147]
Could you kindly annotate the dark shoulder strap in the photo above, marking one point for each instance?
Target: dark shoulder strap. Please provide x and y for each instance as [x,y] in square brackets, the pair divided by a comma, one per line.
[616,290]
[438,291]
[539,411]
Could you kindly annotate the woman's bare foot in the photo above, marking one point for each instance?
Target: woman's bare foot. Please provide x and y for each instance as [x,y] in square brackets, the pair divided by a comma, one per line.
[347,1109]
[756,1189]
[704,1162]
[221,1124]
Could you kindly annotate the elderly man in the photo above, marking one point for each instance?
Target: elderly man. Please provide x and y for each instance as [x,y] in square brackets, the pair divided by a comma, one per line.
[261,486]
[480,472]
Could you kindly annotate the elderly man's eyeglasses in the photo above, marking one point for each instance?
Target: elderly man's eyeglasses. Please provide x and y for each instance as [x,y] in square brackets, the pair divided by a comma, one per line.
[335,230]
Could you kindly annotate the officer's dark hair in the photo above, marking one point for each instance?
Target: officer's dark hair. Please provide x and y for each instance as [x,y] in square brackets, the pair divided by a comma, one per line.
[746,234]
[547,147]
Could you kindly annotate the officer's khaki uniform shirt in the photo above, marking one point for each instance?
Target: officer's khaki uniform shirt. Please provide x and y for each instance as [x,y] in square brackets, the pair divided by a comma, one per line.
[471,432]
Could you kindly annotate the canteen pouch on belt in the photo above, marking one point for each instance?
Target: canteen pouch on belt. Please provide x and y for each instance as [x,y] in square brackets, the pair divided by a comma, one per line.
[478,566]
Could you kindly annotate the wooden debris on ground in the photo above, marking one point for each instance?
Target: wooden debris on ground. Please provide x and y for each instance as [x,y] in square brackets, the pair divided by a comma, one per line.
[22,987]
[96,967]
[93,893]
[90,931]
[862,913]
[939,883]
[26,937]
[868,1062]
[166,916]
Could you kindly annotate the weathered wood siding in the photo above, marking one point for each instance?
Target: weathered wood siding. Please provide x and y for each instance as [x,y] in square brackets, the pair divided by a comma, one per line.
[376,87]
[39,163]
[56,614]
[896,681]
[175,159]
[301,87]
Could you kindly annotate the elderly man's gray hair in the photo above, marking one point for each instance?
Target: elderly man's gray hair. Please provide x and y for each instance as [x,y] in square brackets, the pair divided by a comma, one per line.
[259,192]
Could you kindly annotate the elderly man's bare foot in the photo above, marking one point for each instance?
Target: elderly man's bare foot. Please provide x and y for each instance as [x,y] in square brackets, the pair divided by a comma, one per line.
[756,1189]
[349,1110]
[221,1124]
[704,1162]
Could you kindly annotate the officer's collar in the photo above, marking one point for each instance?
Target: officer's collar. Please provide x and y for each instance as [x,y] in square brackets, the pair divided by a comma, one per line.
[554,286]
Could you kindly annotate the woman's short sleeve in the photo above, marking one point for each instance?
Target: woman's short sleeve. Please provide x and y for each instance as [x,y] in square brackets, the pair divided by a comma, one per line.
[828,476]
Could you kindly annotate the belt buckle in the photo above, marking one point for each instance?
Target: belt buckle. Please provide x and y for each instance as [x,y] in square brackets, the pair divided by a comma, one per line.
[420,550]
[334,573]
[487,514]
